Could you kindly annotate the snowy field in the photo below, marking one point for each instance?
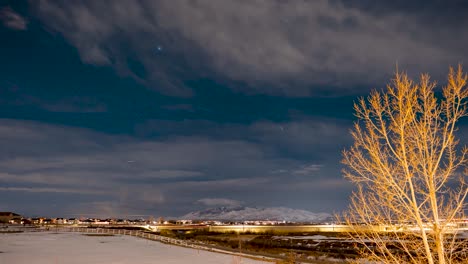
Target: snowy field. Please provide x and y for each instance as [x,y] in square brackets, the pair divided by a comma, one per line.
[64,248]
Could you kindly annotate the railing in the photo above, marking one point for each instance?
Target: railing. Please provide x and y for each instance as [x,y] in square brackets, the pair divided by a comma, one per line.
[134,233]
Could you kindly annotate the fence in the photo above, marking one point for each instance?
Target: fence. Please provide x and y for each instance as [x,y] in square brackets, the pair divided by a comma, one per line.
[125,232]
[107,231]
[134,233]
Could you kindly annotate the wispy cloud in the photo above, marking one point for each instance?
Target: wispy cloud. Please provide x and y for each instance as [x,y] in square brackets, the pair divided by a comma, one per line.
[219,202]
[51,190]
[159,174]
[68,104]
[308,169]
[75,105]
[167,174]
[12,20]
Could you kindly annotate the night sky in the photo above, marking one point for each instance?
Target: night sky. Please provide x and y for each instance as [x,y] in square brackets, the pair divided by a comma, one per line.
[125,108]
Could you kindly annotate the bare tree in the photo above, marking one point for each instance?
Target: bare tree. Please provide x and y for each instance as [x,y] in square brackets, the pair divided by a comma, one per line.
[409,171]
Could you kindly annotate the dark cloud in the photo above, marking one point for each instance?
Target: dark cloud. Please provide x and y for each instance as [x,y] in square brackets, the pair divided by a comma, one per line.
[164,176]
[12,20]
[293,48]
[303,138]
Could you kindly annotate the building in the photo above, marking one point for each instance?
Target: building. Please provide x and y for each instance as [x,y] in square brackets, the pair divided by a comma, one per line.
[9,217]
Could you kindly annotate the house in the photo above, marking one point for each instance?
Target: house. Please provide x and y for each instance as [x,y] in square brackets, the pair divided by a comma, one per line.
[102,222]
[47,221]
[37,220]
[26,221]
[183,222]
[9,217]
[61,221]
[121,221]
[88,221]
[73,221]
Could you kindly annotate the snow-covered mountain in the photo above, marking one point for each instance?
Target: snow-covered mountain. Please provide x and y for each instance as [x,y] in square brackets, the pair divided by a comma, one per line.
[254,213]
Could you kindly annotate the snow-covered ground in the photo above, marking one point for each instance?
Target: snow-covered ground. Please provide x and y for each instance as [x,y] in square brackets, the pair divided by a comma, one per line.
[69,248]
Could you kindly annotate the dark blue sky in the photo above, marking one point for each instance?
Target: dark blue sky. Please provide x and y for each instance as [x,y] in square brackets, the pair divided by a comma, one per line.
[117,108]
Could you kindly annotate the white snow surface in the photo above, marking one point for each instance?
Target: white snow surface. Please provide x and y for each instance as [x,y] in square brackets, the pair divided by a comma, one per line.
[252,213]
[71,248]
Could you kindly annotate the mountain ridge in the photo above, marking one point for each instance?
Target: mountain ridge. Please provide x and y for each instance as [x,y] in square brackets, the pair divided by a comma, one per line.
[240,213]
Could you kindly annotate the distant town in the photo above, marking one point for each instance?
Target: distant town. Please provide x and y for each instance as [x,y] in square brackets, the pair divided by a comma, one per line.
[182,225]
[213,226]
[14,218]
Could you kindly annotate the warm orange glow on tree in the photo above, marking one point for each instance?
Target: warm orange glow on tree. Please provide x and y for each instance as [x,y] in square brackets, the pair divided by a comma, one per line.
[409,171]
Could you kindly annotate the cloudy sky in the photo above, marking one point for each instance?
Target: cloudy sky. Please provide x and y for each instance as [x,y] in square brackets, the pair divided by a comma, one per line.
[122,108]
